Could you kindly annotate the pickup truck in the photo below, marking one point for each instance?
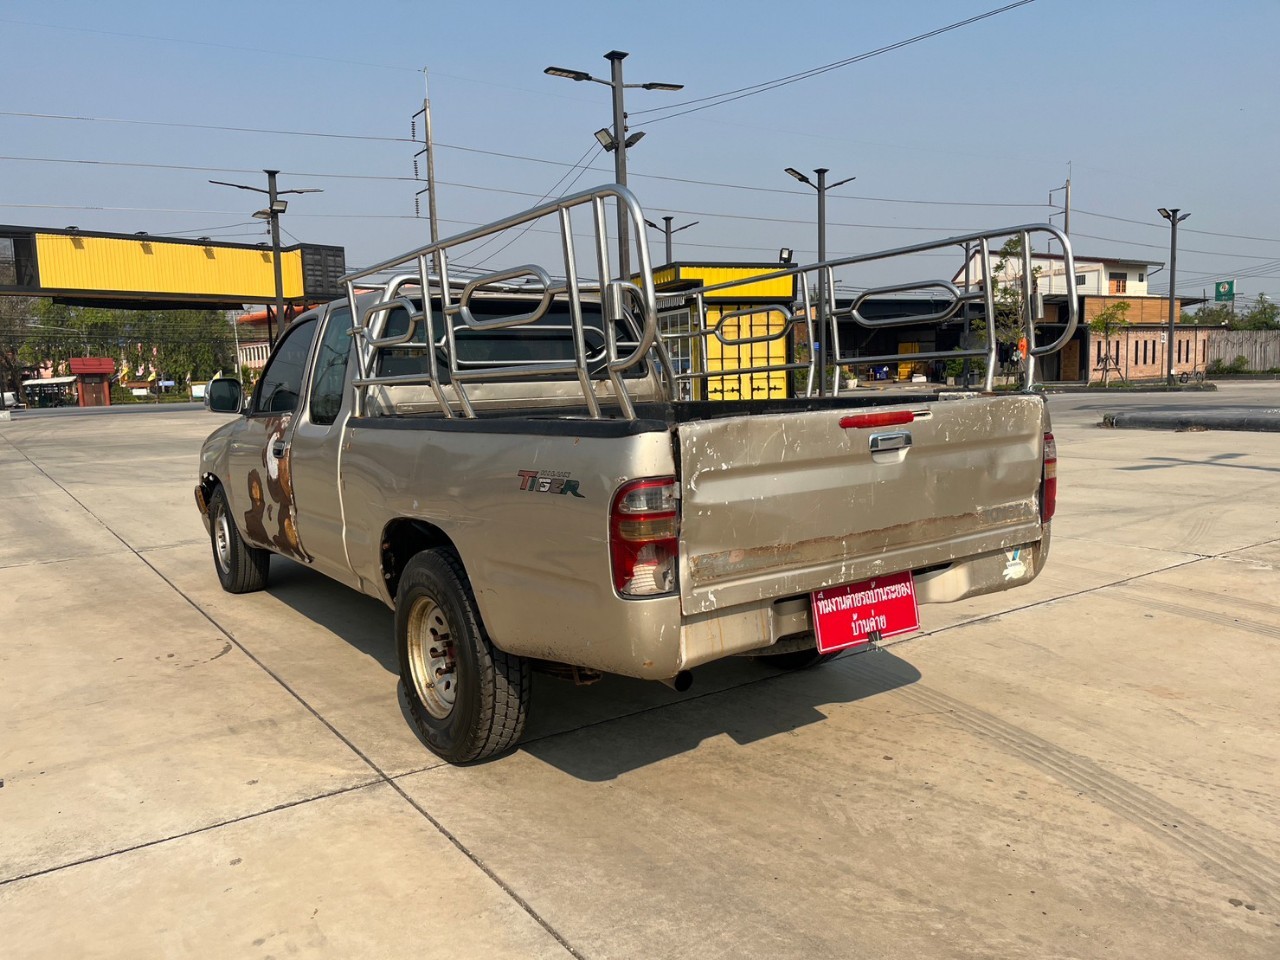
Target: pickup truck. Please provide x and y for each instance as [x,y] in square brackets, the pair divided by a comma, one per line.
[505,461]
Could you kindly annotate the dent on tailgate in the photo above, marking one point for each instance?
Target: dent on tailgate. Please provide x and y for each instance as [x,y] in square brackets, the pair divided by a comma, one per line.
[790,503]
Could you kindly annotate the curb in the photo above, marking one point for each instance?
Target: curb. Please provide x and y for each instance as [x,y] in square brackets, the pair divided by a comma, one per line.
[1190,422]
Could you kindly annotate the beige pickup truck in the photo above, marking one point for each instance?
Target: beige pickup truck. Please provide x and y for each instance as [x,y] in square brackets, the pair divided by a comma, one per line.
[503,461]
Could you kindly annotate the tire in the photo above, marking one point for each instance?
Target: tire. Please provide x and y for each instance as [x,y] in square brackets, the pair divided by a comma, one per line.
[468,699]
[796,659]
[1182,378]
[240,567]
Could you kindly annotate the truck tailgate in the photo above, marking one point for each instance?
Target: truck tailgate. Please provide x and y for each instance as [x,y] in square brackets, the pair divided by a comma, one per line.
[783,504]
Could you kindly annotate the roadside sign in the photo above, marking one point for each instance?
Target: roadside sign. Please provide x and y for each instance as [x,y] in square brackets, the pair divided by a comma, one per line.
[1224,290]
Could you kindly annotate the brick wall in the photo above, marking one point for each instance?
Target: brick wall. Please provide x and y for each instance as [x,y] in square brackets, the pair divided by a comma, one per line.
[1138,352]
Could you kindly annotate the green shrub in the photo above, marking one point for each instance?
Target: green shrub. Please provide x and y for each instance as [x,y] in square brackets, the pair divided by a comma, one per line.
[1239,365]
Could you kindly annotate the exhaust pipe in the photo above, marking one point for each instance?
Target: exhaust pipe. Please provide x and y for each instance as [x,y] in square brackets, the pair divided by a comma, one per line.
[681,682]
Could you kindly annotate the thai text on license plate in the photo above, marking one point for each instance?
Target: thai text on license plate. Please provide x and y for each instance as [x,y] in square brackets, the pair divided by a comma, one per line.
[849,615]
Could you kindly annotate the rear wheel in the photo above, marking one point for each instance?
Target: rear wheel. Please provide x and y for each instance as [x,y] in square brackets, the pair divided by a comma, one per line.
[240,567]
[468,699]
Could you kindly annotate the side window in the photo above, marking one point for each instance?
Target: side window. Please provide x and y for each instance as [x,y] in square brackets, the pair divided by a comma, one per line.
[282,379]
[331,367]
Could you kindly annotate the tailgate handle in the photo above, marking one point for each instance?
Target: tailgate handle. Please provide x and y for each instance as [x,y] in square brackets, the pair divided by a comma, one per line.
[898,440]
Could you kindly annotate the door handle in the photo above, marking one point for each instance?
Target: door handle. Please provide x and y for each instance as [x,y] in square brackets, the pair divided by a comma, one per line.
[277,449]
[898,440]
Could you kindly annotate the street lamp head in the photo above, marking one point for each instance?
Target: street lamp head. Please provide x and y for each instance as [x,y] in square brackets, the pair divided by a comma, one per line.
[279,206]
[650,223]
[262,215]
[662,86]
[567,73]
[798,175]
[635,138]
[1165,213]
[606,139]
[786,255]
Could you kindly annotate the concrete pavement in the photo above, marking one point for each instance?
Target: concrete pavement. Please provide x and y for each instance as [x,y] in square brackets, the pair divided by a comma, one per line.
[1084,767]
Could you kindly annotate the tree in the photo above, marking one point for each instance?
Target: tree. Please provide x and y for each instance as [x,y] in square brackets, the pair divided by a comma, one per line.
[1264,315]
[15,314]
[180,345]
[1216,315]
[1115,316]
[1009,301]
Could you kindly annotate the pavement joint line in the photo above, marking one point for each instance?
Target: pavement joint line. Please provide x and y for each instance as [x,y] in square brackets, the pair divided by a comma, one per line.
[1042,603]
[1137,546]
[440,827]
[53,560]
[287,805]
[1193,559]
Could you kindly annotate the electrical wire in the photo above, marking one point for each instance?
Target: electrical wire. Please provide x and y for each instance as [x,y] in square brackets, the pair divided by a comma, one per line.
[584,160]
[1163,226]
[716,100]
[511,156]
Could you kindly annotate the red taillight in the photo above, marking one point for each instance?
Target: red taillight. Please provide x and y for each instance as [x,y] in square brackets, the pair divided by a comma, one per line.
[1049,480]
[644,537]
[877,419]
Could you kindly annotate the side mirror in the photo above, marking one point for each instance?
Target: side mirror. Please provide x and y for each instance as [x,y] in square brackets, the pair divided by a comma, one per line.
[224,395]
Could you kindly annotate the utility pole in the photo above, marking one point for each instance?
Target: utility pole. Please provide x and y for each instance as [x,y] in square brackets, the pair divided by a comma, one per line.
[272,199]
[667,232]
[1171,215]
[822,187]
[275,207]
[429,150]
[1066,202]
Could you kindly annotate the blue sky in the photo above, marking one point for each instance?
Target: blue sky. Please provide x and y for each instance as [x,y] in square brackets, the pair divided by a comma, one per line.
[1153,104]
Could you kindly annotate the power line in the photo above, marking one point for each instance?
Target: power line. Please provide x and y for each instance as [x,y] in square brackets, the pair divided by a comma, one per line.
[1163,226]
[716,100]
[1181,249]
[491,153]
[207,126]
[584,161]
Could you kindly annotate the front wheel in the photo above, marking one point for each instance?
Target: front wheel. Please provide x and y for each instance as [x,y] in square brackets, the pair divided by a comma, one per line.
[240,567]
[468,699]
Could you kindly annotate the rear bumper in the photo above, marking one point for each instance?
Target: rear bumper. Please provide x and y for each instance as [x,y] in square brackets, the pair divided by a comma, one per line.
[759,626]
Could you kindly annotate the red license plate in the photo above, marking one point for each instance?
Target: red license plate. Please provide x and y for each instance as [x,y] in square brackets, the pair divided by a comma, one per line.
[847,616]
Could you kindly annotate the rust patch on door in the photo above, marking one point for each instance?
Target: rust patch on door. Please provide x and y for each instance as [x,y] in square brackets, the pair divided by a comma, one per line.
[272,508]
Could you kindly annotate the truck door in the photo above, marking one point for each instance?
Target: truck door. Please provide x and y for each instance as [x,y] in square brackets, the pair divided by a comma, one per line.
[315,448]
[261,492]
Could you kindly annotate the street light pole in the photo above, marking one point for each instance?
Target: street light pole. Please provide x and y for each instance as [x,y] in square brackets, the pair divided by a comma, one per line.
[1172,216]
[615,58]
[275,207]
[618,141]
[667,232]
[823,321]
